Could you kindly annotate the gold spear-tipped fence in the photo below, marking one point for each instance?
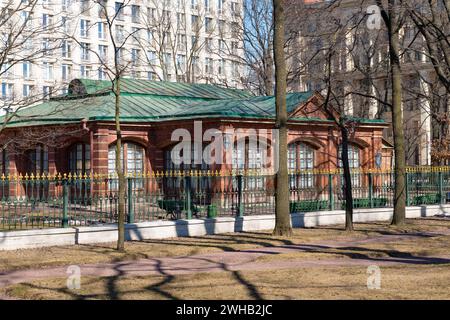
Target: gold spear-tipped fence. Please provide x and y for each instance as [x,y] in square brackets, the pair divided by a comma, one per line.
[29,200]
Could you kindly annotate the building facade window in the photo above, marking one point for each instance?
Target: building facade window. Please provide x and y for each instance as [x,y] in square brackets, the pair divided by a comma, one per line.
[132,158]
[80,158]
[300,161]
[250,157]
[4,162]
[38,160]
[354,163]
[7,91]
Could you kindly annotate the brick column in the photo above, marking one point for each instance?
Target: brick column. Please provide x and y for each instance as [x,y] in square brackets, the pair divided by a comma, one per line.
[14,186]
[52,190]
[99,161]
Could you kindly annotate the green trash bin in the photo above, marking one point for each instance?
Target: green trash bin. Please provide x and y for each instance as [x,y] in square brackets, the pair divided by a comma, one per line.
[212,211]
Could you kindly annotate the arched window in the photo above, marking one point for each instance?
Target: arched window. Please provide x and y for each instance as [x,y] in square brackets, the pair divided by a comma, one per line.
[300,161]
[171,165]
[132,158]
[201,184]
[353,161]
[353,157]
[38,160]
[250,156]
[4,162]
[80,158]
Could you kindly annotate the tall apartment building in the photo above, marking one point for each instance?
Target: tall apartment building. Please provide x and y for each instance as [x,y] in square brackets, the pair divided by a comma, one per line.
[170,40]
[360,67]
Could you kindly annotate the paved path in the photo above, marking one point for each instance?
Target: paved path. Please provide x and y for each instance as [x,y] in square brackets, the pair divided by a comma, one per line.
[239,261]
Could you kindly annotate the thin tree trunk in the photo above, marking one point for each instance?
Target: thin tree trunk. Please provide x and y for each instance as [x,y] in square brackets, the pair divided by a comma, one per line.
[347,181]
[119,171]
[397,119]
[283,219]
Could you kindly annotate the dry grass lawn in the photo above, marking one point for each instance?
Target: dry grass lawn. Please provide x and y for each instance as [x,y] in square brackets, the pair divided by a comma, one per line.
[411,282]
[86,254]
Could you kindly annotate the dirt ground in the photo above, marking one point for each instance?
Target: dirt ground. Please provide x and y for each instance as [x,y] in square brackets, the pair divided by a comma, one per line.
[319,263]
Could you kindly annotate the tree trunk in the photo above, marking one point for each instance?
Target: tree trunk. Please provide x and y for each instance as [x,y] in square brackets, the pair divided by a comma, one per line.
[397,118]
[347,181]
[283,219]
[119,171]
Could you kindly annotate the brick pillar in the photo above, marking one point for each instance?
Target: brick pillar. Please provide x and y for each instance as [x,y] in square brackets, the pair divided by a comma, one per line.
[15,187]
[52,171]
[99,147]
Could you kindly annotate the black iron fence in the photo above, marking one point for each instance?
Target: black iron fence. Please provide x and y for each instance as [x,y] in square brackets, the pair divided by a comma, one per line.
[32,202]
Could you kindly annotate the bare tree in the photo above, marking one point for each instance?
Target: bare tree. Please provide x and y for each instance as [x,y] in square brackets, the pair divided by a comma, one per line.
[115,66]
[283,221]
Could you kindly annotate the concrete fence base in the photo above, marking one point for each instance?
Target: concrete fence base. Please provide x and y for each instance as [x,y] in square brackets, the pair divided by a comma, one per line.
[13,240]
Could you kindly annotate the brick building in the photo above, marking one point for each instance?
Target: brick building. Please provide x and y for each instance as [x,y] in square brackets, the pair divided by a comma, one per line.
[75,133]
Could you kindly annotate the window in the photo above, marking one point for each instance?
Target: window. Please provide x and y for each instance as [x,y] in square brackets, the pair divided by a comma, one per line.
[135,54]
[151,56]
[84,51]
[222,26]
[101,27]
[48,71]
[119,33]
[65,24]
[84,28]
[209,66]
[4,162]
[248,157]
[168,60]
[221,70]
[46,46]
[300,161]
[208,5]
[181,62]
[132,159]
[209,44]
[101,74]
[85,71]
[46,20]
[66,72]
[47,92]
[151,75]
[354,163]
[135,13]
[85,7]
[80,158]
[220,6]
[26,91]
[38,160]
[103,52]
[136,34]
[181,21]
[202,184]
[66,49]
[195,23]
[209,24]
[26,69]
[65,4]
[7,91]
[119,10]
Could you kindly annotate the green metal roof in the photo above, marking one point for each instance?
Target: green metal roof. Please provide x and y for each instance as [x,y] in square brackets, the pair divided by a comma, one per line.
[160,88]
[150,101]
